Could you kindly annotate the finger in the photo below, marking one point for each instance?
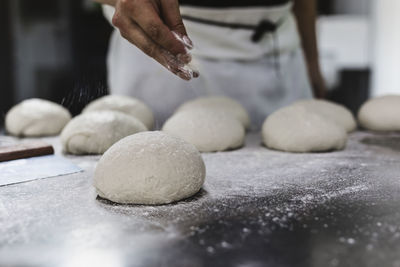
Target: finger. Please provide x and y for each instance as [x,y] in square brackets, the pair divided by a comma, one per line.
[148,18]
[134,34]
[172,18]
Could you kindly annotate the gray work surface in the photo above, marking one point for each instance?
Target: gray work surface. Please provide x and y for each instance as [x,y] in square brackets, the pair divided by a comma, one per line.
[258,208]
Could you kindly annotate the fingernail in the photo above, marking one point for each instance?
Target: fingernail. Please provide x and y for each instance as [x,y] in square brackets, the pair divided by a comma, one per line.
[196,74]
[185,58]
[188,43]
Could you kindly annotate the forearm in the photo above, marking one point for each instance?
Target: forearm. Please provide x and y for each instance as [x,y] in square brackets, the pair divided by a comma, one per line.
[305,12]
[106,2]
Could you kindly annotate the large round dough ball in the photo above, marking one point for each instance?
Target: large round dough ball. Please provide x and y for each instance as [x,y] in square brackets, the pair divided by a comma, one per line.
[381,114]
[149,168]
[332,111]
[207,130]
[295,129]
[219,103]
[36,117]
[125,104]
[95,132]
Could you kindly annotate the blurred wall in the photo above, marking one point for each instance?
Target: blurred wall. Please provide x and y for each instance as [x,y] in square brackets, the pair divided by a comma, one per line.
[386,47]
[42,47]
[6,66]
[354,7]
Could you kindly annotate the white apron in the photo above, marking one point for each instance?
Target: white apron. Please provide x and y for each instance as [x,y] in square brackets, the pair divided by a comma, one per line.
[228,61]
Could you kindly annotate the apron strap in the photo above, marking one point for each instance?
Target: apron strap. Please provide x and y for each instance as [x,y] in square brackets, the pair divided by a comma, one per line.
[265,26]
[233,3]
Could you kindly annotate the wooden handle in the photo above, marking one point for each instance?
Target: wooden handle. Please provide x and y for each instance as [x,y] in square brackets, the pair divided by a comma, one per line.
[25,150]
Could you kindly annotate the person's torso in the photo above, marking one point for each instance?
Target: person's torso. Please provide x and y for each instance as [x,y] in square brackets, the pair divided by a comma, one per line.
[240,30]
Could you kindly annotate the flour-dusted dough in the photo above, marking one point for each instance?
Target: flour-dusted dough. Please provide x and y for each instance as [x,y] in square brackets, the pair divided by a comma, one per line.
[125,104]
[36,117]
[381,114]
[206,129]
[219,103]
[95,132]
[149,168]
[332,111]
[295,129]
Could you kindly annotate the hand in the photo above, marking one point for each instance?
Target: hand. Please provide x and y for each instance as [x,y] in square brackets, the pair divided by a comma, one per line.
[156,28]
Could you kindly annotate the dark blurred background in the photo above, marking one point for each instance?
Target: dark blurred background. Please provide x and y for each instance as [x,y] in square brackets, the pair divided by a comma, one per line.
[53,49]
[56,49]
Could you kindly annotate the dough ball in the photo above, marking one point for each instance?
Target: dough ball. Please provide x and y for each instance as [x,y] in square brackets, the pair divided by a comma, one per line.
[219,103]
[125,104]
[332,111]
[381,114]
[36,117]
[149,168]
[207,130]
[296,129]
[95,132]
